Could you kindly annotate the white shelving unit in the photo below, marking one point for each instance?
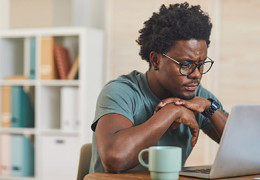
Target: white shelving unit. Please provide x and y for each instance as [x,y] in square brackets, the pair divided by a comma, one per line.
[53,162]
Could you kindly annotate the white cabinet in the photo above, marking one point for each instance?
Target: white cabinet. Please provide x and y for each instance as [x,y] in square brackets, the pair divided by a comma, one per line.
[54,146]
[59,157]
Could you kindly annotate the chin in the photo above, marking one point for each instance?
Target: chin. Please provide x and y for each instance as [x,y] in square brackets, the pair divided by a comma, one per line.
[187,97]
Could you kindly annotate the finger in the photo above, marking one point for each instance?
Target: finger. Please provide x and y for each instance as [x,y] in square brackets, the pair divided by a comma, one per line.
[194,129]
[193,126]
[193,141]
[165,102]
[175,125]
[196,108]
[195,135]
[179,102]
[159,106]
[170,100]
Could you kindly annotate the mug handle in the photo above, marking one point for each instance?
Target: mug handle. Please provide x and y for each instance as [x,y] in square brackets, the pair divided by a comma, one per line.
[140,158]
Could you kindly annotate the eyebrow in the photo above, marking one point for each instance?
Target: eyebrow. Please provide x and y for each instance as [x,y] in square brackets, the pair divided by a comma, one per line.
[188,60]
[183,60]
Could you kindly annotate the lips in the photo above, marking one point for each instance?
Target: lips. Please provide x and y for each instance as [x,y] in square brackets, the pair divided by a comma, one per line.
[191,87]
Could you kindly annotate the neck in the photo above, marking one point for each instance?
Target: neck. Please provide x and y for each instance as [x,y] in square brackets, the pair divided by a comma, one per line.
[155,86]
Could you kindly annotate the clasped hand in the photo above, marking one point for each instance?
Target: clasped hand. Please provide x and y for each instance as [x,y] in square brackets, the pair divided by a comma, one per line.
[187,117]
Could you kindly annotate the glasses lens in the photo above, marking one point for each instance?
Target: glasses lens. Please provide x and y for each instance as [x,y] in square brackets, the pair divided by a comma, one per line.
[205,67]
[187,68]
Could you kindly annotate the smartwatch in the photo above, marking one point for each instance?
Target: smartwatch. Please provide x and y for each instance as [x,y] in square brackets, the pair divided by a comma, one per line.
[214,106]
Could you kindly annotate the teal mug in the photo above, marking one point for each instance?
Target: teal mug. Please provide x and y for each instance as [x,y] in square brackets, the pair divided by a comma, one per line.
[164,162]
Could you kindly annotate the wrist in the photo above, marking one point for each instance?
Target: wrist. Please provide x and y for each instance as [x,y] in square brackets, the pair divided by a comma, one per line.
[211,109]
[208,104]
[176,111]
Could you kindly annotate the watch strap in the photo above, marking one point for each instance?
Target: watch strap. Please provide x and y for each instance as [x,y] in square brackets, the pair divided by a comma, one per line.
[214,106]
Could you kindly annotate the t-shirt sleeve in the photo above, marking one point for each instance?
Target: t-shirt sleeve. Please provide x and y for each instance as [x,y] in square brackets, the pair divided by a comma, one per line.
[204,122]
[114,98]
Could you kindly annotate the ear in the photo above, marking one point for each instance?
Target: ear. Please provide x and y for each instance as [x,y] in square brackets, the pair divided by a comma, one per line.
[154,60]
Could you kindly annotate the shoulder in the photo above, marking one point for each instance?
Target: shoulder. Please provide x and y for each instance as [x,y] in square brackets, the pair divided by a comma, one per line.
[124,92]
[120,96]
[123,85]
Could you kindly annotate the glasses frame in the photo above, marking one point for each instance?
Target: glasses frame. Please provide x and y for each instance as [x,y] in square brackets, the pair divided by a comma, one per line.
[198,65]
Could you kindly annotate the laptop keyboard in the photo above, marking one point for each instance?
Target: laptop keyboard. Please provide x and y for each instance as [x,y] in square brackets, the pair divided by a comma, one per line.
[204,171]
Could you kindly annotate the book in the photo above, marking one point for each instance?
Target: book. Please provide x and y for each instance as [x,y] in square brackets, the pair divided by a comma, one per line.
[48,69]
[32,57]
[6,107]
[74,69]
[22,156]
[5,160]
[16,77]
[62,60]
[69,109]
[26,56]
[22,112]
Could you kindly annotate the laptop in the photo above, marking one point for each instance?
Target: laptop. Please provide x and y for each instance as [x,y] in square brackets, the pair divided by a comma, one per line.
[239,149]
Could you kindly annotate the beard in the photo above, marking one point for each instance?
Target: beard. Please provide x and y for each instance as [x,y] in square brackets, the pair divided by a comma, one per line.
[186,97]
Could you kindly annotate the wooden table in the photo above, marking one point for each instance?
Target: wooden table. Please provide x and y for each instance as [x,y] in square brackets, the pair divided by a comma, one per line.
[145,175]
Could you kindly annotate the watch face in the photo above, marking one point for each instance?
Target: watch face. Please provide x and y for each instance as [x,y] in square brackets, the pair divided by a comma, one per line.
[215,105]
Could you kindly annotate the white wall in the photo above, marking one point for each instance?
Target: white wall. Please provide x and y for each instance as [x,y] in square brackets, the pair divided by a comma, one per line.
[88,13]
[53,13]
[31,13]
[240,55]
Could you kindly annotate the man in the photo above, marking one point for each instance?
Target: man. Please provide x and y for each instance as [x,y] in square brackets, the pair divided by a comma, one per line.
[166,105]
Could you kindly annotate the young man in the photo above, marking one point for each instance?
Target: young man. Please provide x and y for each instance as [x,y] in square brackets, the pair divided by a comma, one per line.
[166,106]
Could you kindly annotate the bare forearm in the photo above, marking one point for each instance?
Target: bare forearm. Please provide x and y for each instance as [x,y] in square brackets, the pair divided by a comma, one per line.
[219,119]
[124,145]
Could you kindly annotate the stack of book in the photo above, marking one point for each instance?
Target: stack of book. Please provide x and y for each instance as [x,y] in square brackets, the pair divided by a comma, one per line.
[56,61]
[17,109]
[16,155]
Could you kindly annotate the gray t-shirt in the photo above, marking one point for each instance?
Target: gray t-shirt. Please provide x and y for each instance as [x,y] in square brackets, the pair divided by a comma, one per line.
[131,96]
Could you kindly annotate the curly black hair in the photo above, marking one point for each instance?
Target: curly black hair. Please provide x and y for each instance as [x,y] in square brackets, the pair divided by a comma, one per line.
[177,22]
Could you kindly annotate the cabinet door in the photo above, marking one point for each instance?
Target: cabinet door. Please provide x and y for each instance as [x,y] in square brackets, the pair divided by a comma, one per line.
[59,157]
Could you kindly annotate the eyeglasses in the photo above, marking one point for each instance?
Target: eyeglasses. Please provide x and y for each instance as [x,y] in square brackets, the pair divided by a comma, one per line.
[187,68]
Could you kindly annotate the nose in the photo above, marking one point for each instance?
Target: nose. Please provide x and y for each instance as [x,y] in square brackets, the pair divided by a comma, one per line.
[195,74]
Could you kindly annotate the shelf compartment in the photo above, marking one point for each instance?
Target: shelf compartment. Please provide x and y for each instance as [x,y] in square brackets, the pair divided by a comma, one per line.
[49,107]
[11,57]
[17,104]
[55,100]
[57,56]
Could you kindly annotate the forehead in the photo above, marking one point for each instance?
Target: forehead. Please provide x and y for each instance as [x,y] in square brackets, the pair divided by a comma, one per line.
[189,49]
